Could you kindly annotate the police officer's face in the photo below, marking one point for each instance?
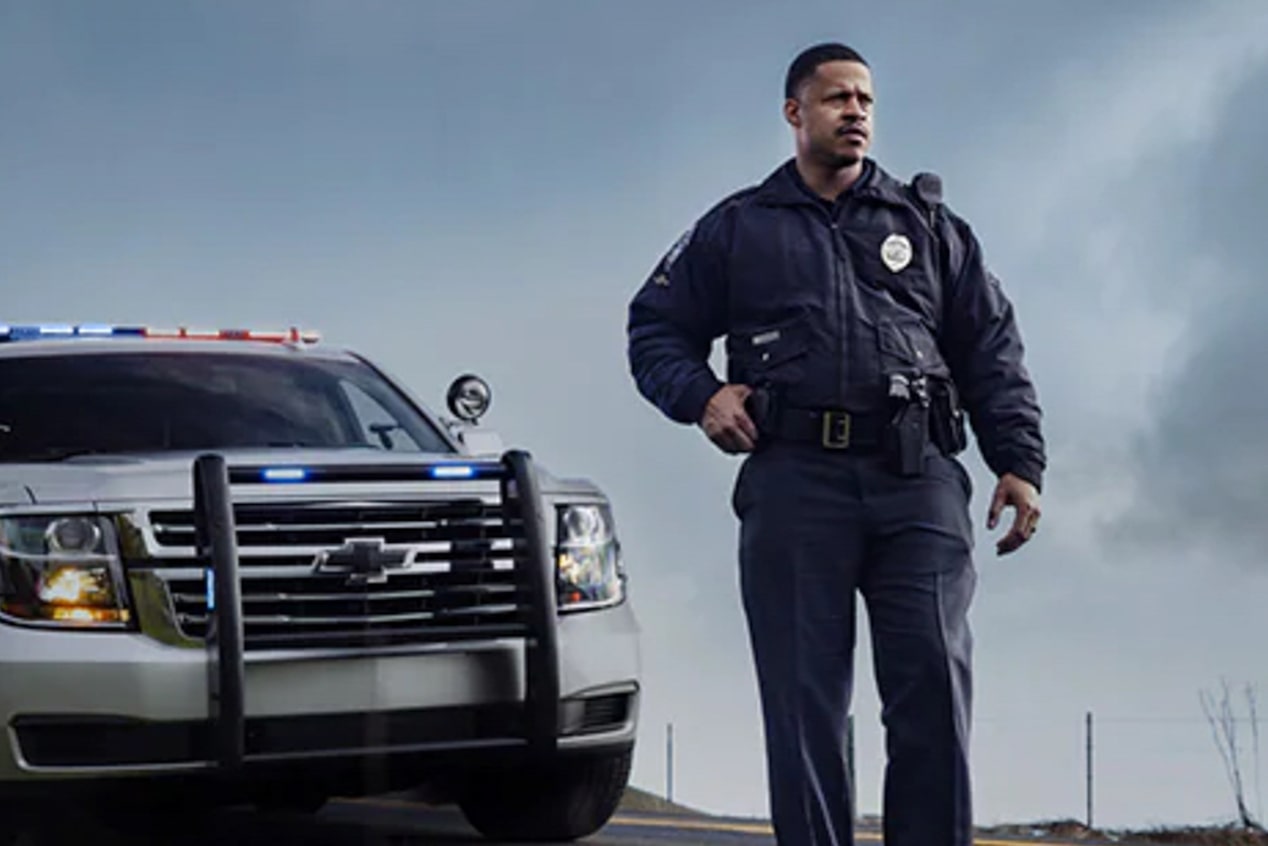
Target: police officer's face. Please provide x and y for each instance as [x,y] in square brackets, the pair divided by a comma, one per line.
[832,117]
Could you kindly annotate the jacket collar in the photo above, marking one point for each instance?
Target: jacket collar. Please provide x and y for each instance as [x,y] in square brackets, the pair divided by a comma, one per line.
[785,187]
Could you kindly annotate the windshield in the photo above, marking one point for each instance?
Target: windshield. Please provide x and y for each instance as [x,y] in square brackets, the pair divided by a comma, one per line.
[53,407]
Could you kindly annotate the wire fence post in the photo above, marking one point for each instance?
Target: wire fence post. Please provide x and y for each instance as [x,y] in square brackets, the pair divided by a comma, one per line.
[669,762]
[1088,733]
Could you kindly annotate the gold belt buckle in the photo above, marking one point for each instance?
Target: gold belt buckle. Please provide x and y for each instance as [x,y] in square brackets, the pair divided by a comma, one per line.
[836,430]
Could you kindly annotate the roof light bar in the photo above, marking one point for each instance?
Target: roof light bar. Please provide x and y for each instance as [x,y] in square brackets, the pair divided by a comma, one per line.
[50,331]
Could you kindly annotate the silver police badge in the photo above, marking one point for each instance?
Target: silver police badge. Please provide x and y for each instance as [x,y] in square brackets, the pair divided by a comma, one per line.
[896,252]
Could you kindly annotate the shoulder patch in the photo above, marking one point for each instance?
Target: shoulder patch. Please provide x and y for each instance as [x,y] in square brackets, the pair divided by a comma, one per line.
[706,227]
[676,250]
[661,277]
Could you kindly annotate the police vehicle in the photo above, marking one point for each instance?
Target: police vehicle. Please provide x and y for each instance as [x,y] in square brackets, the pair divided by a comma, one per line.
[242,567]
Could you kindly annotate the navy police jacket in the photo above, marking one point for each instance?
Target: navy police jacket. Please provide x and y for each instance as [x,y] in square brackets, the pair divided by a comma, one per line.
[822,301]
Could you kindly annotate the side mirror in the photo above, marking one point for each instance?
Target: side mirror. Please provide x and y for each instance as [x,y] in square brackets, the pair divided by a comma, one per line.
[469,398]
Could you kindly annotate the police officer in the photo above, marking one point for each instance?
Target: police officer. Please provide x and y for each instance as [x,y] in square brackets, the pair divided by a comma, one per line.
[863,332]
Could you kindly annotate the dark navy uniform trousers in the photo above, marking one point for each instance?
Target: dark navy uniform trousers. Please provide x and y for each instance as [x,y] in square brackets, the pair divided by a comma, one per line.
[817,526]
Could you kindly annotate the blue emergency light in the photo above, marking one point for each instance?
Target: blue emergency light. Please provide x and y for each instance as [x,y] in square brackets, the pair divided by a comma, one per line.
[285,474]
[453,471]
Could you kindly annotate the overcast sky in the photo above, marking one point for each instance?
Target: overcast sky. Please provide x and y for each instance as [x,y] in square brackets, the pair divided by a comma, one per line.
[483,185]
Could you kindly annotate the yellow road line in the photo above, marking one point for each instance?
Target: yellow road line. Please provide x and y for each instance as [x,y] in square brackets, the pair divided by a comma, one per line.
[690,824]
[694,824]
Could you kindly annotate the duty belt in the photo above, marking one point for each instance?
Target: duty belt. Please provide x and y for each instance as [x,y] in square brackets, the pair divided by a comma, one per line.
[833,429]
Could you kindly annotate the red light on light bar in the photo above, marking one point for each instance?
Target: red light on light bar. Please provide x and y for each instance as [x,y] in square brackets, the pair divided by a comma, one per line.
[292,335]
[183,333]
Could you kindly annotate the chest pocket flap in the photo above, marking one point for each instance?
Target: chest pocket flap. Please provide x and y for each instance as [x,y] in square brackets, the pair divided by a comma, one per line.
[906,343]
[770,354]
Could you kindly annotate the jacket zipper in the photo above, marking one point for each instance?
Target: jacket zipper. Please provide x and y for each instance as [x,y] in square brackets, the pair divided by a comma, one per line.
[841,270]
[839,287]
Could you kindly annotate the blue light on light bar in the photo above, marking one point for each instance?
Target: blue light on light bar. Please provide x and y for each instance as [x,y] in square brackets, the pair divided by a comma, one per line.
[44,331]
[285,474]
[211,590]
[453,471]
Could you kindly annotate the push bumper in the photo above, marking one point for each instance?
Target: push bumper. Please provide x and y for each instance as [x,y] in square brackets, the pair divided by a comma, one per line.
[105,705]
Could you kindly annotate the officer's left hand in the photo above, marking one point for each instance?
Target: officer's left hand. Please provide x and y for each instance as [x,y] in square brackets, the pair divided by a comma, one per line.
[1022,496]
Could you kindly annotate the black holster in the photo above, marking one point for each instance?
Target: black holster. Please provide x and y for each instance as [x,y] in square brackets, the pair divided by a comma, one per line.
[907,434]
[906,437]
[946,424]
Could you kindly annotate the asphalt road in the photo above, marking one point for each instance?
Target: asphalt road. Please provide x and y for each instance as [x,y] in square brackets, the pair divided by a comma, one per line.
[359,823]
[386,822]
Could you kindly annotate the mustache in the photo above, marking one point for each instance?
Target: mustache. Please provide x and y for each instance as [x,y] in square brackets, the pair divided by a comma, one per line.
[853,127]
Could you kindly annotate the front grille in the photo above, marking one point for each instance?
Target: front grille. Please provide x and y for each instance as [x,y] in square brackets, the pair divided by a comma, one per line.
[467,525]
[437,571]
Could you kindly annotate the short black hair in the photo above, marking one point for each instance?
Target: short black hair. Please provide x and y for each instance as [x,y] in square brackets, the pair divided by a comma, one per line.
[803,67]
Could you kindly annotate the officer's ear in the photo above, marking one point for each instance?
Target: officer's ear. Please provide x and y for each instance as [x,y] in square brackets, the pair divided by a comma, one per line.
[792,113]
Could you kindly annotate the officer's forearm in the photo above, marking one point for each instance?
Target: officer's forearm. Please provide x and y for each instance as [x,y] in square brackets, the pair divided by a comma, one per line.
[669,364]
[1024,464]
[672,376]
[1006,423]
[679,387]
[690,404]
[988,363]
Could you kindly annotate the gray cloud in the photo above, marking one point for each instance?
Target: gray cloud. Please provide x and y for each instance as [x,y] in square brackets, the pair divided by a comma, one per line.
[1202,466]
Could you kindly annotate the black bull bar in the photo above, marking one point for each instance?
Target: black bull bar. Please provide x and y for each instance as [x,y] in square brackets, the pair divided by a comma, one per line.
[216,541]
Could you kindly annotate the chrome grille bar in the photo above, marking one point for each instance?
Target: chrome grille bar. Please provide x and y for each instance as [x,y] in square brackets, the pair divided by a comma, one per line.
[446,569]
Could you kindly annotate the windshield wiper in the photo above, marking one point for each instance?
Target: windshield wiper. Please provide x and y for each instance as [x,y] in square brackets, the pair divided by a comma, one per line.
[50,455]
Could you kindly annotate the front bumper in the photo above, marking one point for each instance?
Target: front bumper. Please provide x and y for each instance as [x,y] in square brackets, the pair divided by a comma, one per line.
[116,705]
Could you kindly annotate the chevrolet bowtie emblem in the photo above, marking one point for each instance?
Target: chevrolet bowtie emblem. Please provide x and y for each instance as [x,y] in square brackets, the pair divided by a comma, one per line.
[363,560]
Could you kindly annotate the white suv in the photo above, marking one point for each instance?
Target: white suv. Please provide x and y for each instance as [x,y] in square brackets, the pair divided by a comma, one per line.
[241,566]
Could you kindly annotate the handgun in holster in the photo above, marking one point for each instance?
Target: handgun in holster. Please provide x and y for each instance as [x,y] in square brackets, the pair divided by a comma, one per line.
[947,420]
[759,405]
[908,431]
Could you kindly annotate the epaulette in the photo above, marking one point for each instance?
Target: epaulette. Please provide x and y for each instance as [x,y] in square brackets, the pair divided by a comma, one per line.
[733,198]
[928,190]
[929,187]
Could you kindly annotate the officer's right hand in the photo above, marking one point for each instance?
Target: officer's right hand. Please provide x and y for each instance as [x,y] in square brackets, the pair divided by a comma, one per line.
[727,423]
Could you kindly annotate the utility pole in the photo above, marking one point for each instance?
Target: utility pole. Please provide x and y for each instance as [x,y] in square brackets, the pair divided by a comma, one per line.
[1088,732]
[669,762]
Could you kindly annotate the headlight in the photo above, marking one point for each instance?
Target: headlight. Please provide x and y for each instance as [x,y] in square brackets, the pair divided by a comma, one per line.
[588,559]
[61,570]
